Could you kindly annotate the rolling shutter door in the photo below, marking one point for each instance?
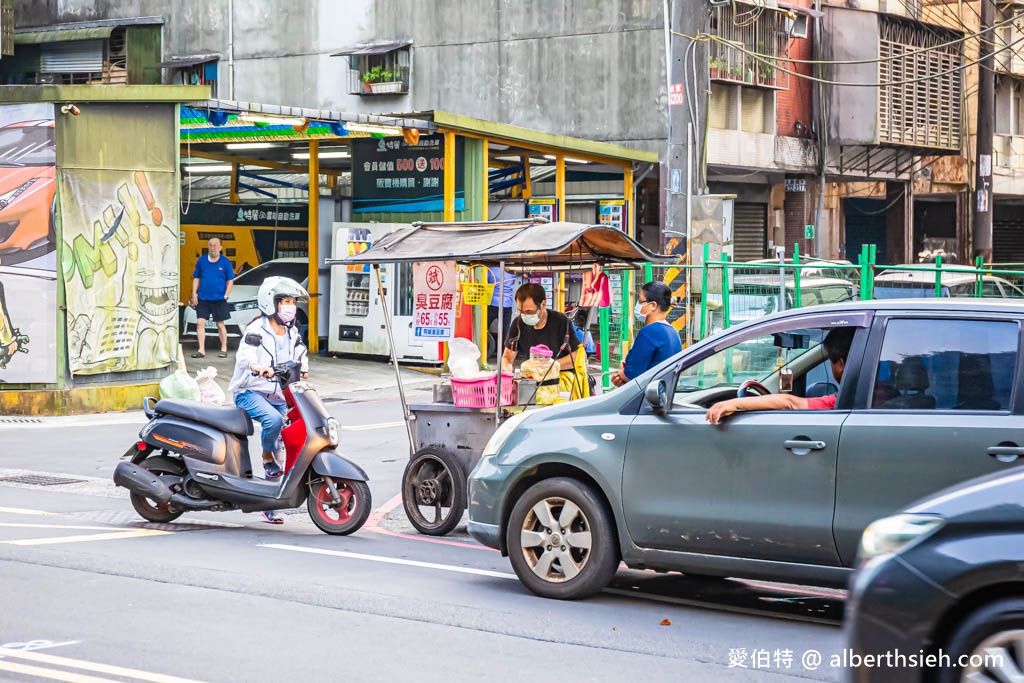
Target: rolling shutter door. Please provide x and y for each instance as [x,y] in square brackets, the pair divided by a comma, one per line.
[749,230]
[79,56]
[1008,234]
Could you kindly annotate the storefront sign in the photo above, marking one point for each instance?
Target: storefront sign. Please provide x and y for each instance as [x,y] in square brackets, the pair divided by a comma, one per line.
[390,175]
[796,185]
[235,215]
[434,300]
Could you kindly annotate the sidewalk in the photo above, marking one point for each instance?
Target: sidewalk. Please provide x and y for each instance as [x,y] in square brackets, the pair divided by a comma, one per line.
[335,378]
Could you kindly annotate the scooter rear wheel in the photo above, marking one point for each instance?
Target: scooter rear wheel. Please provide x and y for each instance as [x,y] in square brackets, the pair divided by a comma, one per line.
[151,510]
[344,518]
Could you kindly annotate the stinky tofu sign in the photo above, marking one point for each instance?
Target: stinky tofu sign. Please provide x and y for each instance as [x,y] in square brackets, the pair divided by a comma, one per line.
[433,313]
[390,175]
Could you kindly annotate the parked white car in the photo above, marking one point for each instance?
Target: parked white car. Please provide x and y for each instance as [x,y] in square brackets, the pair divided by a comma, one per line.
[242,300]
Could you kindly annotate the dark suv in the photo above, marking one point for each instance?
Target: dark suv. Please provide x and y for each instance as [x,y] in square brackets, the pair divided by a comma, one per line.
[930,397]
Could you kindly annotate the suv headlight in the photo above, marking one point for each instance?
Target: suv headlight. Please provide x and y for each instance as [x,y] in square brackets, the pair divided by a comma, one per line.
[244,305]
[893,534]
[502,433]
[333,430]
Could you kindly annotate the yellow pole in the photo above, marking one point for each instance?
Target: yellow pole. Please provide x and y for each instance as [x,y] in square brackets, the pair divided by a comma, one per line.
[528,187]
[485,195]
[449,177]
[484,198]
[627,194]
[313,337]
[234,184]
[560,185]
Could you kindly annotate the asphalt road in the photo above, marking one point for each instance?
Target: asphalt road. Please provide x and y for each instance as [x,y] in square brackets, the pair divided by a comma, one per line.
[91,593]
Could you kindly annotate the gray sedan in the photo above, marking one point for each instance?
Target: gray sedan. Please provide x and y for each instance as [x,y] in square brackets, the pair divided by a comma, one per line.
[930,396]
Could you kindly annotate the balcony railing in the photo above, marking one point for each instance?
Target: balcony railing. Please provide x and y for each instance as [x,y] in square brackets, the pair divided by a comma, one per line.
[764,33]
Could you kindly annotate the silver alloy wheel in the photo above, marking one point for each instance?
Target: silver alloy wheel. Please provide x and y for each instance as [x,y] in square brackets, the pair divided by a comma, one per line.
[556,539]
[997,659]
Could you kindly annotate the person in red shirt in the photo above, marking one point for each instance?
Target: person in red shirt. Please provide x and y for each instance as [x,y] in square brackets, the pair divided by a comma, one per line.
[837,348]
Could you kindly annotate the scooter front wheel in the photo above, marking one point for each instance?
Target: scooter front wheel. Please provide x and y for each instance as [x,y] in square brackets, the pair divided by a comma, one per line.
[344,518]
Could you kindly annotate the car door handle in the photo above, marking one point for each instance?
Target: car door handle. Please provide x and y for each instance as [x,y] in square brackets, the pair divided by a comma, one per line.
[804,445]
[1006,453]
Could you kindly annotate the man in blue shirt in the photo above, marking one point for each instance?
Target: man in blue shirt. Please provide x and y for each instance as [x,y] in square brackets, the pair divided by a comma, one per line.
[212,281]
[504,299]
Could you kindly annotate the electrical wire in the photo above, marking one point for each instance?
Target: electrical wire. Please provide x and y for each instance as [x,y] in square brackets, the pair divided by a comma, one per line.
[713,38]
[774,64]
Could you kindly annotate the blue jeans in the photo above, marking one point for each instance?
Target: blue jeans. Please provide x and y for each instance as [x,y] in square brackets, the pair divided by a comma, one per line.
[269,415]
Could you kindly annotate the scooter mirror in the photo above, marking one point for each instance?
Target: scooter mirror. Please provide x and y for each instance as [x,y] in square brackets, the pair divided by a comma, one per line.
[253,339]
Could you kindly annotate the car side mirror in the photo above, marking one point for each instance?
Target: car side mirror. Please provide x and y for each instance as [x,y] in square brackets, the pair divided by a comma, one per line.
[656,394]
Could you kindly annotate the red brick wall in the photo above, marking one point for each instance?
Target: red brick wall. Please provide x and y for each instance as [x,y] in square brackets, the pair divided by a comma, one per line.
[797,103]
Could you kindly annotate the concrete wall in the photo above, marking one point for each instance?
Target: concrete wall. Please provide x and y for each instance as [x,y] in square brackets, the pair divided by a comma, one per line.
[590,68]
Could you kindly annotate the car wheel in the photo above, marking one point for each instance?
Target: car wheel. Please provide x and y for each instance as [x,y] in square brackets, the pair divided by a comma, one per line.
[993,639]
[561,541]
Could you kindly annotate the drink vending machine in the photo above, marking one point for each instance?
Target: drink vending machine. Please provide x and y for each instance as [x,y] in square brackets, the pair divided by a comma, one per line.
[357,316]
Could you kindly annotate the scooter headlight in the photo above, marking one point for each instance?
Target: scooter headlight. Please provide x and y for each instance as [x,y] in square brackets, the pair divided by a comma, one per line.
[333,431]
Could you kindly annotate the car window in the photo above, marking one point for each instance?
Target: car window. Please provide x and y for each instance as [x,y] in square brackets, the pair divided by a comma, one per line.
[28,145]
[752,359]
[946,365]
[834,295]
[991,289]
[906,291]
[295,270]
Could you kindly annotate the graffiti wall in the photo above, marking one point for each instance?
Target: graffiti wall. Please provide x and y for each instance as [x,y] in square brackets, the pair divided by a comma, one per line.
[28,281]
[120,267]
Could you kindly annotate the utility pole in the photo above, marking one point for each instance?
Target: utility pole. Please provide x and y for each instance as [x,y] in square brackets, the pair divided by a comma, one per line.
[676,195]
[986,115]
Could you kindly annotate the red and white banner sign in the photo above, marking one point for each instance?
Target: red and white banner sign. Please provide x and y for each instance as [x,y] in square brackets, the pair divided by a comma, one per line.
[675,95]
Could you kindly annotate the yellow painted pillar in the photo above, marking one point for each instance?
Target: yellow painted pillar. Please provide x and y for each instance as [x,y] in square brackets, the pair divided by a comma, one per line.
[485,195]
[560,185]
[627,194]
[234,183]
[449,177]
[314,246]
[528,187]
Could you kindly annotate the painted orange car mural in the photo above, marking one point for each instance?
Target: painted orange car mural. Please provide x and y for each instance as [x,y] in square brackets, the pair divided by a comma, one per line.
[27,191]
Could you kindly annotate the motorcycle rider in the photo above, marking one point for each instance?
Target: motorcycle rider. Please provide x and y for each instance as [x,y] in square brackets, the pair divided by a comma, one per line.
[269,340]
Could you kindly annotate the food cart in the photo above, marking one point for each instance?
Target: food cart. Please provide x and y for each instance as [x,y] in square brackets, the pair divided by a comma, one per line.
[445,440]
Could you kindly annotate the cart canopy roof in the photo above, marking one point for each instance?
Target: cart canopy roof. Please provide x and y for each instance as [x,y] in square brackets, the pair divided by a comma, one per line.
[521,244]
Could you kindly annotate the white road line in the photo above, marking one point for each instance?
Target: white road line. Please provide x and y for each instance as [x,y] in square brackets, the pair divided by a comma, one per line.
[51,674]
[54,660]
[26,511]
[392,560]
[132,417]
[115,536]
[381,425]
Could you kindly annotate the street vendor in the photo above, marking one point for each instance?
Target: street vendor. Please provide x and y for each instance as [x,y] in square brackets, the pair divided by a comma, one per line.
[537,326]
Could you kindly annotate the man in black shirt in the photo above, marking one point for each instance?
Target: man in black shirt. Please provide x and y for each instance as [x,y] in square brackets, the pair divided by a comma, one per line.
[537,325]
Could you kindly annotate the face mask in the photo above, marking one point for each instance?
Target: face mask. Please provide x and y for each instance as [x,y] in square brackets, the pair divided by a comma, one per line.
[530,320]
[286,313]
[638,311]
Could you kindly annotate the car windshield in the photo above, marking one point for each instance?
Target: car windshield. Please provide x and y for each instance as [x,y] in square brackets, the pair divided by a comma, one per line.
[296,270]
[752,359]
[27,146]
[906,291]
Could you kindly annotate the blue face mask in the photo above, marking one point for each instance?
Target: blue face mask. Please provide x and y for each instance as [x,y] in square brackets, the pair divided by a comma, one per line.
[530,320]
[638,311]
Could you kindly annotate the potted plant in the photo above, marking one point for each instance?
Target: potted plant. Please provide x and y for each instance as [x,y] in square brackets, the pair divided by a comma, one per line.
[380,80]
[766,74]
[718,68]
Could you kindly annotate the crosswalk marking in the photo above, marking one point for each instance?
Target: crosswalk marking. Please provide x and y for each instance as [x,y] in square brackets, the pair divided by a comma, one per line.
[54,660]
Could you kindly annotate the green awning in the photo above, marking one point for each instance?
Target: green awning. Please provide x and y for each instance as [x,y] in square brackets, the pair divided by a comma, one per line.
[62,35]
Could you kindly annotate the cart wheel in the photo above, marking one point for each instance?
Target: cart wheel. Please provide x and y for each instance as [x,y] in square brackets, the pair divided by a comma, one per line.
[434,491]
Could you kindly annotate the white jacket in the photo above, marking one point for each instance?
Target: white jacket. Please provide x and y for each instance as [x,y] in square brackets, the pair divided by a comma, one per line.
[266,355]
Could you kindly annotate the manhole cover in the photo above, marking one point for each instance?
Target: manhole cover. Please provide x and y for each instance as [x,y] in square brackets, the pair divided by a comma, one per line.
[40,480]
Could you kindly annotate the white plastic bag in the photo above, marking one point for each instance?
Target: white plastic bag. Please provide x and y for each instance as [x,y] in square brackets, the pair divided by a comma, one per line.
[463,359]
[209,390]
[179,385]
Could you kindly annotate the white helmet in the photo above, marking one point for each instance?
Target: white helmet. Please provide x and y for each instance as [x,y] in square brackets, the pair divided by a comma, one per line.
[275,288]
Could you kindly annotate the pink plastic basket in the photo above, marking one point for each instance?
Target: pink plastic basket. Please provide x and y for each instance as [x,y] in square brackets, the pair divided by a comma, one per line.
[480,393]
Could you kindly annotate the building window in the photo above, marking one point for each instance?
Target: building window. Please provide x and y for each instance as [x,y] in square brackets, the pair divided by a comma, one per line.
[1009,105]
[384,73]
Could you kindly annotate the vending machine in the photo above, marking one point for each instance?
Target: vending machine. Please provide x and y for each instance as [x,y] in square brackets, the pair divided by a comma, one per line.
[357,314]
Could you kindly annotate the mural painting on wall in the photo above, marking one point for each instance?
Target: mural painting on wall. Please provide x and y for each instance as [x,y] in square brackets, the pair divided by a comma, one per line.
[28,279]
[120,268]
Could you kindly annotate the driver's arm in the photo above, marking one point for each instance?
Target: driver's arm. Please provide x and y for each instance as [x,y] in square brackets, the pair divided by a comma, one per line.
[771,402]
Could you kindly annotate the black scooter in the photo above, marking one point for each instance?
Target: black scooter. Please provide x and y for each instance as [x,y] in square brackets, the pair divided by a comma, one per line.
[193,456]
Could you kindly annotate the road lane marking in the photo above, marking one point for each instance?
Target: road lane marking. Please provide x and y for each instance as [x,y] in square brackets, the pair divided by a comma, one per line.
[117,535]
[26,511]
[36,645]
[52,674]
[392,560]
[379,425]
[60,526]
[84,665]
[374,520]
